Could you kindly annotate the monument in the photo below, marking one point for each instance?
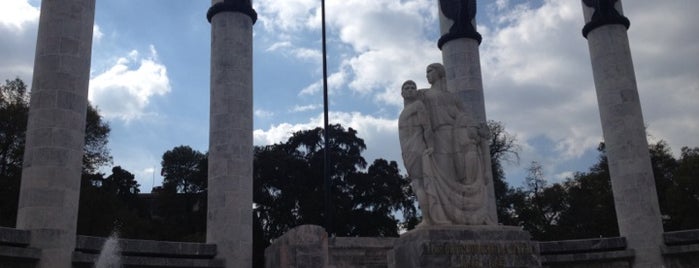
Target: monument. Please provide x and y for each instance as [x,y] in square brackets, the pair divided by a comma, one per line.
[444,143]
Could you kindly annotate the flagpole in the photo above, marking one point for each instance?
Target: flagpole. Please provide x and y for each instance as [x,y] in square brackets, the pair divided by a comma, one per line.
[326,160]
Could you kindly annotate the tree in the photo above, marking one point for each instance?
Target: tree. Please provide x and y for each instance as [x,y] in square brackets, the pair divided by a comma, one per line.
[503,148]
[14,110]
[288,188]
[680,196]
[591,211]
[109,204]
[539,206]
[180,204]
[96,154]
[185,170]
[13,124]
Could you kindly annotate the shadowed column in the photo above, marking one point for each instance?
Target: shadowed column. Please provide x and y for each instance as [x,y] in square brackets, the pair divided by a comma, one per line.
[459,44]
[48,202]
[229,219]
[633,185]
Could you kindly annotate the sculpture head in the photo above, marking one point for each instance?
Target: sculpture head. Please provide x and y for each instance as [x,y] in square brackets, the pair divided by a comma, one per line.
[435,72]
[409,90]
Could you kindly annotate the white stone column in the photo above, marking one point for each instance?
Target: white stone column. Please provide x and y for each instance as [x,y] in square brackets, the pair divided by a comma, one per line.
[461,58]
[229,220]
[50,188]
[633,185]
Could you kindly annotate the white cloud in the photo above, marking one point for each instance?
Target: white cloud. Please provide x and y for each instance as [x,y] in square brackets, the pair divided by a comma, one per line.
[285,15]
[97,33]
[263,113]
[537,76]
[125,89]
[386,37]
[380,134]
[19,21]
[18,14]
[304,108]
[335,82]
[301,53]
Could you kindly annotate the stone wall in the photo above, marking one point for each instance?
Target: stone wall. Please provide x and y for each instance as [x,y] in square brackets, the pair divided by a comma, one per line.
[593,253]
[15,251]
[147,253]
[681,249]
[309,246]
[359,252]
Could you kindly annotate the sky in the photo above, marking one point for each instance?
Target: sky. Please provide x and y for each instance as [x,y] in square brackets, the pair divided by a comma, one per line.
[150,73]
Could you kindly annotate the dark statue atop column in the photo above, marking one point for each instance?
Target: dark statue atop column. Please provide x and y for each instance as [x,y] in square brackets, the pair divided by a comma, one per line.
[462,13]
[243,6]
[605,13]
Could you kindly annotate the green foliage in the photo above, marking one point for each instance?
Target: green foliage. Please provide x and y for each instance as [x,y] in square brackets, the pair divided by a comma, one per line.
[95,151]
[503,148]
[14,110]
[185,170]
[583,206]
[13,124]
[680,198]
[111,203]
[288,188]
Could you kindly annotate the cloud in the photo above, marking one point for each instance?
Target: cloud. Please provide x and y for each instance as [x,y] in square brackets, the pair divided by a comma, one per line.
[386,40]
[263,113]
[287,15]
[537,76]
[301,53]
[96,33]
[379,134]
[304,108]
[125,89]
[335,82]
[19,22]
[18,14]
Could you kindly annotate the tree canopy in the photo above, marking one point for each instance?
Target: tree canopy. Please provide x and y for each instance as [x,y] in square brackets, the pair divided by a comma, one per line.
[14,110]
[288,188]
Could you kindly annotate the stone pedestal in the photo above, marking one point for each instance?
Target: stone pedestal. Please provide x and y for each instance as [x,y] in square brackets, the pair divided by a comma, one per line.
[464,246]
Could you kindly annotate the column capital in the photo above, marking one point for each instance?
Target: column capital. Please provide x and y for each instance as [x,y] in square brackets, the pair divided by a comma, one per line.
[605,12]
[242,6]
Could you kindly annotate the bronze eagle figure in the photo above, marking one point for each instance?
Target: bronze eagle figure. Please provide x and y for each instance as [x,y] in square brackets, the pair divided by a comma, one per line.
[461,12]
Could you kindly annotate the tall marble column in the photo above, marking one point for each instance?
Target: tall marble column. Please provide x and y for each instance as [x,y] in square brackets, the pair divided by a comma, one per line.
[229,220]
[633,185]
[459,44]
[50,188]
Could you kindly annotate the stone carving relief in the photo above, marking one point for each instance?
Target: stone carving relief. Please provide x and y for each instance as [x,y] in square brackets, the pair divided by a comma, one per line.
[443,152]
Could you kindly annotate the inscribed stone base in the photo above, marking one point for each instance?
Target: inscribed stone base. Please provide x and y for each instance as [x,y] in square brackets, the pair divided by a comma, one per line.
[464,246]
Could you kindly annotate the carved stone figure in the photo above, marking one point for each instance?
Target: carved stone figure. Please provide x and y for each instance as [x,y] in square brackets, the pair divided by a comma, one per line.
[443,154]
[415,133]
